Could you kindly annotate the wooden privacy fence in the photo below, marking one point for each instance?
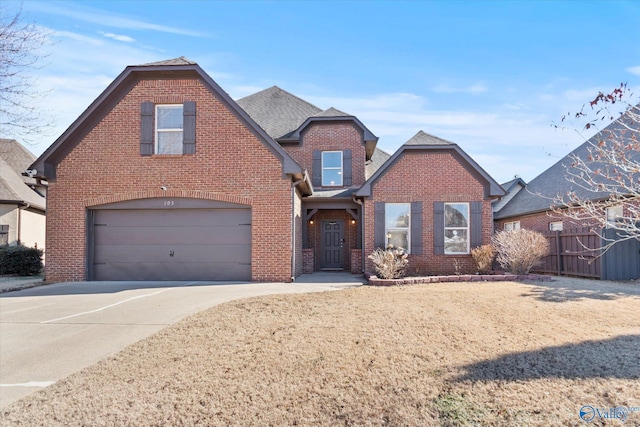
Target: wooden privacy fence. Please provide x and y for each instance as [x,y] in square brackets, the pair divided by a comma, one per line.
[576,252]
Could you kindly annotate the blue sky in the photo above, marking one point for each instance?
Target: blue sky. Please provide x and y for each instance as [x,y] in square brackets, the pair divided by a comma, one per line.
[489,76]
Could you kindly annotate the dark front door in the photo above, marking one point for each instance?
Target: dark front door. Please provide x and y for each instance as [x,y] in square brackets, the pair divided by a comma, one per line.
[332,244]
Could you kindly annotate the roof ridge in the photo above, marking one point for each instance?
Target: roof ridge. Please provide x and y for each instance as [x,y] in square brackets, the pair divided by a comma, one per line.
[181,60]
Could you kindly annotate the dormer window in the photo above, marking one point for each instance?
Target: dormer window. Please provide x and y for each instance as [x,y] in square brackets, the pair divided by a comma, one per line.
[332,168]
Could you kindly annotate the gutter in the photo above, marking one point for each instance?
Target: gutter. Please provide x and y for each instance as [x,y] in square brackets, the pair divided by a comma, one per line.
[293,227]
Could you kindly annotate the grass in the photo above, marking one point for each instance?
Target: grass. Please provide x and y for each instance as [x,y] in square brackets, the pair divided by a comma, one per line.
[459,354]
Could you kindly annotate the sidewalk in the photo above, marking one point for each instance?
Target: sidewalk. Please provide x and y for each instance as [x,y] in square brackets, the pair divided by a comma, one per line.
[15,283]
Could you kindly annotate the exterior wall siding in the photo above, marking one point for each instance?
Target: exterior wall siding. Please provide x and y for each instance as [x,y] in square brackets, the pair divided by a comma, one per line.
[107,166]
[428,177]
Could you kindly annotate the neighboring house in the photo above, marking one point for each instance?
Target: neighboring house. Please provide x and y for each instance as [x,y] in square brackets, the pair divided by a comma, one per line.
[576,248]
[164,176]
[22,198]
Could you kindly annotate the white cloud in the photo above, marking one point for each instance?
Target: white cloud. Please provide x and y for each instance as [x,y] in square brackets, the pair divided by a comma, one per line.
[634,70]
[474,89]
[118,37]
[90,15]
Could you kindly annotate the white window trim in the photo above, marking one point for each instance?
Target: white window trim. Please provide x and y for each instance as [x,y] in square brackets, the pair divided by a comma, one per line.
[556,226]
[511,225]
[167,130]
[407,250]
[467,228]
[612,218]
[341,169]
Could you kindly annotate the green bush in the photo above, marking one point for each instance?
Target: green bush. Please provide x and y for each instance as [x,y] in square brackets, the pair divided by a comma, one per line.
[20,260]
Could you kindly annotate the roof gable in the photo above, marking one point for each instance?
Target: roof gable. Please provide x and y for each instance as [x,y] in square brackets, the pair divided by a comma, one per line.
[174,68]
[420,142]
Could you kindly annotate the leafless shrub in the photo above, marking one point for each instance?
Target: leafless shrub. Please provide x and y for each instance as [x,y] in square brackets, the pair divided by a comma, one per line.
[483,257]
[390,263]
[520,250]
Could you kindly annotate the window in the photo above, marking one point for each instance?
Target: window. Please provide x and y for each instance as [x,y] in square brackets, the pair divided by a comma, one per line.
[456,228]
[555,226]
[614,215]
[332,168]
[514,225]
[397,225]
[4,235]
[169,125]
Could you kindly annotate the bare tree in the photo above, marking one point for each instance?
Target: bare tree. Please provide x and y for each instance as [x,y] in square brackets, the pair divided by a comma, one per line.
[605,173]
[21,113]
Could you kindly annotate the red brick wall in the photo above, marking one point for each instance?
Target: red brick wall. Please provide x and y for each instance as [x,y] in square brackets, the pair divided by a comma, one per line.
[428,177]
[229,162]
[327,136]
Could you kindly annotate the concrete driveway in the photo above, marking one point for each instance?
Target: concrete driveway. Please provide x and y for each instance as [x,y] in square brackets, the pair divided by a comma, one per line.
[50,332]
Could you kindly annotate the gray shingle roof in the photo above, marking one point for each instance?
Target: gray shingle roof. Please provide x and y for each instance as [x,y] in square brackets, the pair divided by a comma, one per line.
[16,157]
[538,194]
[423,138]
[277,111]
[181,60]
[332,112]
[377,160]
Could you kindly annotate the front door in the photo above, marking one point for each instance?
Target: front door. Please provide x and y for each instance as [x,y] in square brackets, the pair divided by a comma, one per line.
[332,245]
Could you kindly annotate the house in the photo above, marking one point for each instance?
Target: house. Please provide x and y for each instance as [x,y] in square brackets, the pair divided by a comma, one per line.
[165,177]
[22,198]
[532,207]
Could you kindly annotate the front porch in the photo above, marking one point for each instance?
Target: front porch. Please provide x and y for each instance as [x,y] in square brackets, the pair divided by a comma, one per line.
[332,239]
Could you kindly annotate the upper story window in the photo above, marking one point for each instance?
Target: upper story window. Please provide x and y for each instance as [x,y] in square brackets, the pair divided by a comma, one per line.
[332,168]
[456,228]
[169,126]
[397,225]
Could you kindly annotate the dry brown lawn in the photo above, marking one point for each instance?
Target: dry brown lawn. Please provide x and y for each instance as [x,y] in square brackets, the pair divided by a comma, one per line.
[454,354]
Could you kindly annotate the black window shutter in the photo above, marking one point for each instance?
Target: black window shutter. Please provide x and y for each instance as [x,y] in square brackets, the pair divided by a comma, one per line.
[316,168]
[476,224]
[346,168]
[416,228]
[189,128]
[438,228]
[146,128]
[379,239]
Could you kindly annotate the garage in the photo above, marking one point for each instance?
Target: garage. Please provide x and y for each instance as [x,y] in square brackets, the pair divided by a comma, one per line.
[170,239]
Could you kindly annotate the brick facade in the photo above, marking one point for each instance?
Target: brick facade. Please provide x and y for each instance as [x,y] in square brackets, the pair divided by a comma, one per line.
[107,161]
[331,136]
[428,177]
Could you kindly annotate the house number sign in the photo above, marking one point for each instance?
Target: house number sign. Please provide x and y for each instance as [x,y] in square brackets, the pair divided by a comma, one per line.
[169,203]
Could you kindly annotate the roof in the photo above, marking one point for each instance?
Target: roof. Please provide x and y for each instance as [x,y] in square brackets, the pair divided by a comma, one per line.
[15,159]
[277,111]
[423,141]
[332,112]
[510,184]
[423,138]
[539,194]
[178,67]
[376,162]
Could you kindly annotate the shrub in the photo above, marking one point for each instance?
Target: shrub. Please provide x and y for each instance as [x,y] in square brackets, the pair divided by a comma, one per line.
[20,260]
[483,257]
[520,250]
[390,263]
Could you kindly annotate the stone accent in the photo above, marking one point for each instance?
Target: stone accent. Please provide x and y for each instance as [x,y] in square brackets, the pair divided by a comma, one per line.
[307,261]
[356,261]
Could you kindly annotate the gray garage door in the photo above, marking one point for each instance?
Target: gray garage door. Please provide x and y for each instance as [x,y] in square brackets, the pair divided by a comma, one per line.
[171,244]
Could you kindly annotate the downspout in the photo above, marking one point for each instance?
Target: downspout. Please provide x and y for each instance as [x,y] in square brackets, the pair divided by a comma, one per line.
[293,228]
[359,202]
[20,208]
